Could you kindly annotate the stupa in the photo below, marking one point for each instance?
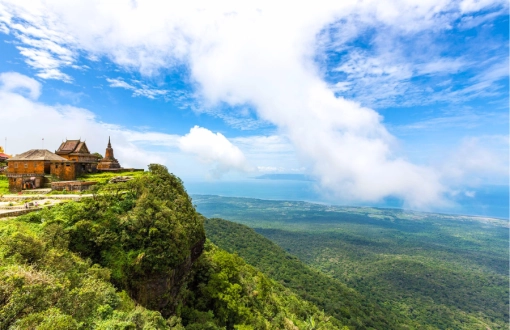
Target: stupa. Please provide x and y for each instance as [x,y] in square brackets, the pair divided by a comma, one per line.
[108,163]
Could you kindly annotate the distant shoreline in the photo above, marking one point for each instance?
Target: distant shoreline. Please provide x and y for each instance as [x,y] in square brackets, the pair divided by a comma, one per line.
[325,203]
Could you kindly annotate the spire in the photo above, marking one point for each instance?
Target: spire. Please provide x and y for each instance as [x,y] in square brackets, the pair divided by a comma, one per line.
[109,144]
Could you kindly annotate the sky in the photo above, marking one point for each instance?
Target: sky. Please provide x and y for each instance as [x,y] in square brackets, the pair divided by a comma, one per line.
[370,99]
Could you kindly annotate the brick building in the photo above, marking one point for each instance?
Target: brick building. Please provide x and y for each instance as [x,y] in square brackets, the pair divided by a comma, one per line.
[30,169]
[77,151]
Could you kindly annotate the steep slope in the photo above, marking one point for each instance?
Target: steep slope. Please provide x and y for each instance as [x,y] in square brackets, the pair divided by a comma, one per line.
[225,292]
[133,257]
[329,294]
[146,231]
[44,285]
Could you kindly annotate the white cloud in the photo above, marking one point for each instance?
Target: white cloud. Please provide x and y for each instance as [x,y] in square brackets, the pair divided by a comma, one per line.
[213,149]
[469,6]
[470,193]
[401,73]
[469,22]
[119,83]
[247,54]
[138,88]
[15,82]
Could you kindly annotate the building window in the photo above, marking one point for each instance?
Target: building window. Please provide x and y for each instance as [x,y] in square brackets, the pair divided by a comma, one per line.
[15,165]
[26,165]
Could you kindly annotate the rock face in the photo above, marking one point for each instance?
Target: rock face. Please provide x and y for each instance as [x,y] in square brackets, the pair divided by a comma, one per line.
[120,179]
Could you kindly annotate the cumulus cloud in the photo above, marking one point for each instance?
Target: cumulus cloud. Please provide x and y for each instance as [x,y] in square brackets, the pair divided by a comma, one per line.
[213,149]
[260,55]
[15,82]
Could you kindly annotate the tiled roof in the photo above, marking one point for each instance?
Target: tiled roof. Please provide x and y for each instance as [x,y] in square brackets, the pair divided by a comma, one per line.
[72,146]
[68,146]
[38,154]
[79,146]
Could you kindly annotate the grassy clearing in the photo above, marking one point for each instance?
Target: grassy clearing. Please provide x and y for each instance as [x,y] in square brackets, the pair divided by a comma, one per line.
[104,177]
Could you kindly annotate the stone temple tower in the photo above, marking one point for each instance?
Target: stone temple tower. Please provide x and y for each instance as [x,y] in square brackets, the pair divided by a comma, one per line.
[108,162]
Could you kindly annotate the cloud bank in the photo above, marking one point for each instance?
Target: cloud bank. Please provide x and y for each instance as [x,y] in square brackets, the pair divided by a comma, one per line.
[262,55]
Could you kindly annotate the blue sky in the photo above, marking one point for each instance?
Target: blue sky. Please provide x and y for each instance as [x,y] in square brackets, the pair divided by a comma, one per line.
[372,99]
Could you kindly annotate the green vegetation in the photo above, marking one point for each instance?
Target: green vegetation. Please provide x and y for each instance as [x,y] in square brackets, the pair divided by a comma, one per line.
[44,285]
[104,177]
[432,271]
[4,185]
[98,155]
[135,256]
[329,294]
[226,292]
[132,257]
[142,230]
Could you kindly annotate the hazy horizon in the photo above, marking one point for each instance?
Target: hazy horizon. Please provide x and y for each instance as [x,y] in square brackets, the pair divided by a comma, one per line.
[484,201]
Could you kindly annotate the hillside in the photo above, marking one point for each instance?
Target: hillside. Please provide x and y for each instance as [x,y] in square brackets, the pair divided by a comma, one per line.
[327,293]
[135,257]
[430,270]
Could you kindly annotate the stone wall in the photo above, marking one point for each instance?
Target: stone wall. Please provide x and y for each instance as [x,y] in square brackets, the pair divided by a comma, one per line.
[72,185]
[15,184]
[64,171]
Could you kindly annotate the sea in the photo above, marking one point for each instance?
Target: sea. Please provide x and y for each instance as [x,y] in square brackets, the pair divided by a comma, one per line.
[487,201]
